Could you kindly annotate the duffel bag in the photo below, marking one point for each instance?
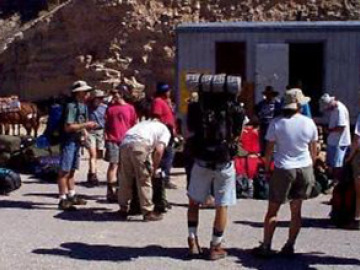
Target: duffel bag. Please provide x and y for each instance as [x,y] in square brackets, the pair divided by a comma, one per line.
[9,181]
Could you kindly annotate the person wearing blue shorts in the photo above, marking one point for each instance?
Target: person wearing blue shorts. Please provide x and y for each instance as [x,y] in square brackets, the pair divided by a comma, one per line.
[339,138]
[76,124]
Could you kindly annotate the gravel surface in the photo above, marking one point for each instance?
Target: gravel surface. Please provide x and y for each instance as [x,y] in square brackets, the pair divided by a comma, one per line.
[35,235]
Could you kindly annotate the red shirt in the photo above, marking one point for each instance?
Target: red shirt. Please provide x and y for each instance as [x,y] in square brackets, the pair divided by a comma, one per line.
[163,111]
[119,119]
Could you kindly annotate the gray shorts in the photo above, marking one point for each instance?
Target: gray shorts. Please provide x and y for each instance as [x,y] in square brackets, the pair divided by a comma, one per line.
[223,180]
[112,154]
[293,184]
[95,140]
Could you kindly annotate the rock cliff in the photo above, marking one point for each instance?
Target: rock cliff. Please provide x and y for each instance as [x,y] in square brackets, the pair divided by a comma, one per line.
[106,42]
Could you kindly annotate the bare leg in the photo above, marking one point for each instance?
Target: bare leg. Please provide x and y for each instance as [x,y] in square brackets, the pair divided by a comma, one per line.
[270,222]
[295,224]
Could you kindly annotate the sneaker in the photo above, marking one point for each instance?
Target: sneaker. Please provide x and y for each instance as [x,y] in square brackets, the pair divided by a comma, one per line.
[170,185]
[217,252]
[152,216]
[263,251]
[354,225]
[77,200]
[194,247]
[287,250]
[66,205]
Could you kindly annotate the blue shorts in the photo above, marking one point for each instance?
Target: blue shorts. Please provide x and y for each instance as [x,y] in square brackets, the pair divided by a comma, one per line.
[335,155]
[70,156]
[222,179]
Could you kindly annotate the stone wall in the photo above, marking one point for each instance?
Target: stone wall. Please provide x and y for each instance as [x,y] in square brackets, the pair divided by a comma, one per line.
[106,42]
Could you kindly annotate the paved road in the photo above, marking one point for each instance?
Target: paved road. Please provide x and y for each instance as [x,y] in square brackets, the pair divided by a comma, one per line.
[35,235]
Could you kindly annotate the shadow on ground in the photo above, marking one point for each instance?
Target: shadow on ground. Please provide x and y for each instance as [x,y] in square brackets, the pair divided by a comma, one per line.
[324,223]
[26,205]
[303,261]
[83,251]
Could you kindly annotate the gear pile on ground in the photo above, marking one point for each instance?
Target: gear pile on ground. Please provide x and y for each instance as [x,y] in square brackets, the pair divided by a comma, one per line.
[106,42]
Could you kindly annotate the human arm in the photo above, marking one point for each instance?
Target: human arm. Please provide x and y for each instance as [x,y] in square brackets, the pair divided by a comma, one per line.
[313,150]
[157,155]
[268,154]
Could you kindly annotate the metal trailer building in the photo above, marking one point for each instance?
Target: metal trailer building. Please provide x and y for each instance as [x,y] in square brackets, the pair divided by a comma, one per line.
[318,56]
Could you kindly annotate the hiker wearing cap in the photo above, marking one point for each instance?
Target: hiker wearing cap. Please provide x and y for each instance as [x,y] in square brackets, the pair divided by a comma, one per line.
[162,110]
[120,116]
[76,125]
[294,136]
[266,110]
[339,138]
[95,141]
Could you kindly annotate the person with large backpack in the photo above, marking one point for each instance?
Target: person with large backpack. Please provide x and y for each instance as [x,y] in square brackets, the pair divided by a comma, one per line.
[295,137]
[216,123]
[75,124]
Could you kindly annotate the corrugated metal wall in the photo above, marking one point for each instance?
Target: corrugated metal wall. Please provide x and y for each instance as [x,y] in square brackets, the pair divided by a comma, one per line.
[196,52]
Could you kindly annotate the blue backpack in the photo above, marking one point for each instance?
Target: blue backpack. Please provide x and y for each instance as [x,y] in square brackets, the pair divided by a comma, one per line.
[9,181]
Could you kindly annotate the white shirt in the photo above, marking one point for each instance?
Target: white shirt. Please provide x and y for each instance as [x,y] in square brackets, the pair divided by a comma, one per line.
[292,137]
[339,117]
[151,132]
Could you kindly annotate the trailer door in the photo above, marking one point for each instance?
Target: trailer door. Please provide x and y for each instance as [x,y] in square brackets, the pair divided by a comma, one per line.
[272,68]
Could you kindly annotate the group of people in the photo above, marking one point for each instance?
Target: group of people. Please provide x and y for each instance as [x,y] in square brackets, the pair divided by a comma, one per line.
[140,155]
[137,151]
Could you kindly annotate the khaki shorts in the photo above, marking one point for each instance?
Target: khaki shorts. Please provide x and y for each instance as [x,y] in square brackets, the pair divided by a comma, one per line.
[355,163]
[95,140]
[293,184]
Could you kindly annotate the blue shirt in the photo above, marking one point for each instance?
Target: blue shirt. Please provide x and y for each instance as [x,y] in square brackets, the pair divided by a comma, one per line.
[98,115]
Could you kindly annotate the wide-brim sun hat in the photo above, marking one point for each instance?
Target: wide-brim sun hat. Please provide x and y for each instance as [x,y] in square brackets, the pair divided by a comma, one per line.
[80,86]
[97,93]
[293,98]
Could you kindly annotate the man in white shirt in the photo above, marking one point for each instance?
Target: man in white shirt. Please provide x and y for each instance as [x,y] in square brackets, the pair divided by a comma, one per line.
[339,138]
[294,136]
[140,154]
[354,157]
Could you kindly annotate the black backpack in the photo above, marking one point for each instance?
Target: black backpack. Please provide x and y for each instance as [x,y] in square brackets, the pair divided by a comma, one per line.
[9,181]
[216,122]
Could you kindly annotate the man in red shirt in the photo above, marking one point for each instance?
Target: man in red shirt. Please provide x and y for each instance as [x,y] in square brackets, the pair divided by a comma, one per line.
[162,109]
[120,117]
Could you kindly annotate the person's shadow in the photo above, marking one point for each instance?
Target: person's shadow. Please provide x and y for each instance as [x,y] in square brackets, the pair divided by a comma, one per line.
[88,252]
[301,261]
[83,251]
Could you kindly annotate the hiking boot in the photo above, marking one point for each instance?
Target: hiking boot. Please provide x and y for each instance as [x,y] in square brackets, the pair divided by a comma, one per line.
[169,185]
[66,205]
[287,250]
[152,216]
[111,193]
[123,215]
[77,200]
[194,247]
[217,252]
[354,225]
[92,179]
[263,251]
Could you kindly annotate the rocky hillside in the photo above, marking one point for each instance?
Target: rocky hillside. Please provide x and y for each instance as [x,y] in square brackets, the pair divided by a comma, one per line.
[107,42]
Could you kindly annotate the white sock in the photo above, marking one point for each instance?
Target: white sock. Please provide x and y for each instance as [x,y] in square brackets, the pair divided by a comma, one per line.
[357,218]
[62,197]
[216,240]
[71,193]
[192,232]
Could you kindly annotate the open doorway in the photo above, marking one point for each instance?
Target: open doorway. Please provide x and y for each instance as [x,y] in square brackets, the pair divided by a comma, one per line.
[306,70]
[231,58]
